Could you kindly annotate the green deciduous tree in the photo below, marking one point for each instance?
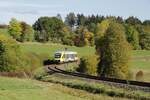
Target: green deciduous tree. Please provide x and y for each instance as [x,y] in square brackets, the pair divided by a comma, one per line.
[88,38]
[100,31]
[9,54]
[133,21]
[85,37]
[67,36]
[146,22]
[27,32]
[114,53]
[132,37]
[48,29]
[145,41]
[15,28]
[87,65]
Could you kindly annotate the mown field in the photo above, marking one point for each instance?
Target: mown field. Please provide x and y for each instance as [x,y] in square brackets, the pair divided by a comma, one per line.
[27,89]
[140,58]
[52,48]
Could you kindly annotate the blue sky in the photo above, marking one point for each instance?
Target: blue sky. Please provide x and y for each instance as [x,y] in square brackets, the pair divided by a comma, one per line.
[31,10]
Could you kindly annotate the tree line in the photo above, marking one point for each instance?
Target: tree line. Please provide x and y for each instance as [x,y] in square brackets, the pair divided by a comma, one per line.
[80,30]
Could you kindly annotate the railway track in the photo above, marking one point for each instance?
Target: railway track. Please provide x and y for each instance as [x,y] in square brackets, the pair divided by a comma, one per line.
[128,84]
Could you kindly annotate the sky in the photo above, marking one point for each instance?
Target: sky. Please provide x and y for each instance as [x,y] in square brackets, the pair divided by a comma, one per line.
[31,10]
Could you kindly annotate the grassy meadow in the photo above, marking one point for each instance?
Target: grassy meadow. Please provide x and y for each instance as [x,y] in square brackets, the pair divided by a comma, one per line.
[51,48]
[27,89]
[5,32]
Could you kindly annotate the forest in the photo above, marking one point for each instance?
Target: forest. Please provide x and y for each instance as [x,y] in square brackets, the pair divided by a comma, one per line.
[79,30]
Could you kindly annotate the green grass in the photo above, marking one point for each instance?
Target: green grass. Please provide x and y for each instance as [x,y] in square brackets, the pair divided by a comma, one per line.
[141,53]
[51,48]
[27,89]
[141,64]
[96,88]
[4,31]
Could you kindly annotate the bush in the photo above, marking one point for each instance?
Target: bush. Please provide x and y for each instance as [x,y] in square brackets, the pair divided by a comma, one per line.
[88,65]
[132,37]
[67,41]
[12,59]
[139,76]
[10,54]
[39,73]
[145,41]
[72,67]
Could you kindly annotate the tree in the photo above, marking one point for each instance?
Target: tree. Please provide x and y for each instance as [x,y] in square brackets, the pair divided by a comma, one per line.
[132,37]
[59,17]
[48,29]
[133,21]
[114,53]
[92,27]
[67,36]
[81,19]
[9,54]
[79,38]
[146,22]
[145,41]
[146,28]
[102,27]
[85,37]
[71,20]
[87,65]
[100,31]
[27,32]
[88,38]
[14,28]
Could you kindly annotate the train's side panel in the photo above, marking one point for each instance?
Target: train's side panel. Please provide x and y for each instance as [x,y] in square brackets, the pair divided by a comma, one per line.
[66,56]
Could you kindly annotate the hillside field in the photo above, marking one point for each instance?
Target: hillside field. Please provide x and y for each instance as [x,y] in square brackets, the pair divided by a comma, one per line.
[27,89]
[140,59]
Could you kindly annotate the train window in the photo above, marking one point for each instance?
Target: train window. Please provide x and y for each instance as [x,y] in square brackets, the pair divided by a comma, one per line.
[72,56]
[69,55]
[57,55]
[66,56]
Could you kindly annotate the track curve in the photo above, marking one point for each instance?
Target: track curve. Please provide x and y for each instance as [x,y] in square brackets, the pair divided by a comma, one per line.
[134,85]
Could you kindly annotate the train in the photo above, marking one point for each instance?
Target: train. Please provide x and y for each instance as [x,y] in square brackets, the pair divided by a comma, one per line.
[65,56]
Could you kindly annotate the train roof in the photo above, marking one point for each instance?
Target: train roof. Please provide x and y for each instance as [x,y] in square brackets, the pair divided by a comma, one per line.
[68,52]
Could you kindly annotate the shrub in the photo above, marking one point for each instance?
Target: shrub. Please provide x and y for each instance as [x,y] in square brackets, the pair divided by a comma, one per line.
[72,67]
[88,65]
[67,41]
[132,37]
[12,59]
[145,41]
[10,54]
[139,76]
[39,73]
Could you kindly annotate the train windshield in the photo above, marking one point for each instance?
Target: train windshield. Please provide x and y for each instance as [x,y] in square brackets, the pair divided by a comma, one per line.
[57,55]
